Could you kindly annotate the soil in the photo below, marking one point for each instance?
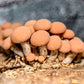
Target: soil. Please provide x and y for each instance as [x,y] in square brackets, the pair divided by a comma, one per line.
[27,74]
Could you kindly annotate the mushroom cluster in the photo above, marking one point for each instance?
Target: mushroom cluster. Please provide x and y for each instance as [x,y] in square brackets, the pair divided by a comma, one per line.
[41,40]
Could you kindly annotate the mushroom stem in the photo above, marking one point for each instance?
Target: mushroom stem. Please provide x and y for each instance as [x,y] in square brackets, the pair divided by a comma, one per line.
[26,48]
[43,51]
[16,50]
[61,56]
[53,56]
[69,58]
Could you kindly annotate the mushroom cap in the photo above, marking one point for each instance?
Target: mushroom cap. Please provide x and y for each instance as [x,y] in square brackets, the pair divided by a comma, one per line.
[6,44]
[20,34]
[68,34]
[57,28]
[30,23]
[6,25]
[30,57]
[32,29]
[41,59]
[7,32]
[65,47]
[39,38]
[15,25]
[54,42]
[42,24]
[1,41]
[76,45]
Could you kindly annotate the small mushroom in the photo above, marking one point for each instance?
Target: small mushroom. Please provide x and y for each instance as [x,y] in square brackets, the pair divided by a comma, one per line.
[68,34]
[7,44]
[30,57]
[30,23]
[42,24]
[7,32]
[76,46]
[16,25]
[41,59]
[65,48]
[57,28]
[54,44]
[21,35]
[6,25]
[40,39]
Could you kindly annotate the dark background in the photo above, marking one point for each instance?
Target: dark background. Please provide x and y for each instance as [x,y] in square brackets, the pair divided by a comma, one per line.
[70,12]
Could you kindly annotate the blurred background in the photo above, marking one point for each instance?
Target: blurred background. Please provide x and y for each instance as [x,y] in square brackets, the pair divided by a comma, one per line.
[70,12]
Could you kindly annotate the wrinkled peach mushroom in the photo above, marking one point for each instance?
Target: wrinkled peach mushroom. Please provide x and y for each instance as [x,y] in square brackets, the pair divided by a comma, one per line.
[53,45]
[57,28]
[6,25]
[40,39]
[77,46]
[21,35]
[68,34]
[65,48]
[7,44]
[41,59]
[7,32]
[15,25]
[30,23]
[42,24]
[30,57]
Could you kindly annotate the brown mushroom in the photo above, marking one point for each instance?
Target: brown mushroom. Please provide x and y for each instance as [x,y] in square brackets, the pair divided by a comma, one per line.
[30,23]
[21,35]
[57,28]
[54,44]
[32,29]
[65,48]
[41,59]
[30,57]
[77,46]
[7,44]
[68,34]
[6,25]
[42,24]
[40,39]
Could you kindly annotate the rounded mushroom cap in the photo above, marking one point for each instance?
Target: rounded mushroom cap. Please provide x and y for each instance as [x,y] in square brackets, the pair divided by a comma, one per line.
[42,24]
[15,25]
[41,59]
[76,45]
[54,42]
[1,41]
[30,57]
[6,43]
[57,28]
[32,29]
[30,23]
[39,38]
[21,34]
[68,34]
[6,25]
[7,32]
[65,47]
